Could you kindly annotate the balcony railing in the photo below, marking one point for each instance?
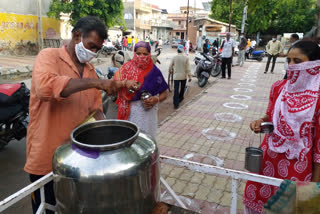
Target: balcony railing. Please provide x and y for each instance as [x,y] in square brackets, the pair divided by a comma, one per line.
[163,23]
[142,6]
[143,24]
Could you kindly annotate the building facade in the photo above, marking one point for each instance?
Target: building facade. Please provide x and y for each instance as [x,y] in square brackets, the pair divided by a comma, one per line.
[146,20]
[161,26]
[137,16]
[19,23]
[179,20]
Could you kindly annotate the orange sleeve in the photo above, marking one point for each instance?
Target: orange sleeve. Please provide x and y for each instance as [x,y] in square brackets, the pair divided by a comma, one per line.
[48,83]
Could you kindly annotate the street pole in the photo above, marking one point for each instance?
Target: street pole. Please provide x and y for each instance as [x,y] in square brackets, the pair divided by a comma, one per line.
[40,36]
[244,16]
[230,16]
[187,21]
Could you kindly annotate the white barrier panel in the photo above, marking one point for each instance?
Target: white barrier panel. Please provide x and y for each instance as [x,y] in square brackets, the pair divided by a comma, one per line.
[194,166]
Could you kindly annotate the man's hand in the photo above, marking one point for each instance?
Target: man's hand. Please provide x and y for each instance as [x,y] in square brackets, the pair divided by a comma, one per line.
[129,84]
[109,86]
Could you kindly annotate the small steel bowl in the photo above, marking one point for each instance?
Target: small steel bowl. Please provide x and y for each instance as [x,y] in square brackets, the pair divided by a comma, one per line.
[266,127]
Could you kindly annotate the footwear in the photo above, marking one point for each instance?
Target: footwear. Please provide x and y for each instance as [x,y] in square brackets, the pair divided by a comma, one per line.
[176,107]
[181,100]
[265,72]
[229,78]
[272,72]
[222,77]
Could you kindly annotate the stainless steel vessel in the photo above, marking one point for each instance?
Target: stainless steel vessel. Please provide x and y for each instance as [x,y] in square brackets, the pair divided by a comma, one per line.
[109,167]
[254,156]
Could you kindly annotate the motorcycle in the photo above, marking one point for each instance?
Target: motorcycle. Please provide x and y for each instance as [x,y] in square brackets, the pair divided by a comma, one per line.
[14,112]
[217,60]
[198,57]
[107,50]
[204,69]
[207,65]
[255,55]
[105,98]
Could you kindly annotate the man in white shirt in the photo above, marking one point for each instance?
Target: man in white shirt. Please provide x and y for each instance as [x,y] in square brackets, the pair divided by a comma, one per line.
[187,47]
[160,43]
[227,47]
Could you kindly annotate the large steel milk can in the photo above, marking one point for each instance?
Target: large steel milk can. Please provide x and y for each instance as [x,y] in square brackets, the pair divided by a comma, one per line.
[109,167]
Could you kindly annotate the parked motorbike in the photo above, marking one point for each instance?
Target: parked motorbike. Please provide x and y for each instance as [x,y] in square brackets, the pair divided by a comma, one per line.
[198,57]
[217,60]
[255,55]
[105,98]
[14,112]
[118,46]
[107,50]
[203,69]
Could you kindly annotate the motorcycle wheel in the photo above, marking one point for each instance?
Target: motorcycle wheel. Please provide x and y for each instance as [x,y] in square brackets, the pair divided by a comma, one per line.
[259,59]
[202,81]
[170,81]
[216,70]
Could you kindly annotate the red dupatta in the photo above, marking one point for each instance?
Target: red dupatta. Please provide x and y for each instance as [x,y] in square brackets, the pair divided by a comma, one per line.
[135,70]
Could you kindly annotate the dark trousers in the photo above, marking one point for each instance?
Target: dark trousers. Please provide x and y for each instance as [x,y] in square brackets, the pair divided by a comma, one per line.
[274,58]
[48,193]
[226,62]
[178,94]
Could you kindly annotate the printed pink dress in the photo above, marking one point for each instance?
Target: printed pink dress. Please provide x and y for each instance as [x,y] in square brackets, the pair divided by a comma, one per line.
[277,164]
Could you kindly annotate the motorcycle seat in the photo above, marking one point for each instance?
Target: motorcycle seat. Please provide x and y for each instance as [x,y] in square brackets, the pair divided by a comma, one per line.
[9,112]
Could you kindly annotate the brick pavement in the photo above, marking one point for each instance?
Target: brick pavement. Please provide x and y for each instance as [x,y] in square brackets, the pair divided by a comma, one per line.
[227,137]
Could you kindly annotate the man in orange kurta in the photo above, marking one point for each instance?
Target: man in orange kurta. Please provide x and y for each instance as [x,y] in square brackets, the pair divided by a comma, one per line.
[64,91]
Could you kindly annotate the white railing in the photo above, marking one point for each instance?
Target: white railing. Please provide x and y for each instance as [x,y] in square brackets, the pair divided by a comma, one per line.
[194,166]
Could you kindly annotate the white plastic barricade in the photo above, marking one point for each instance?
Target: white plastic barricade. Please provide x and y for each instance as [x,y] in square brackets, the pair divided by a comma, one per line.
[191,165]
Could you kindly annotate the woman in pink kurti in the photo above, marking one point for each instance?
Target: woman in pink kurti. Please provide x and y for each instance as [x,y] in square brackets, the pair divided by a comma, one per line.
[292,151]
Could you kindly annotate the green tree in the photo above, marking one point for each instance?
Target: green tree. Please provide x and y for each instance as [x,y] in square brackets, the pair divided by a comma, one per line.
[294,15]
[109,11]
[269,16]
[220,10]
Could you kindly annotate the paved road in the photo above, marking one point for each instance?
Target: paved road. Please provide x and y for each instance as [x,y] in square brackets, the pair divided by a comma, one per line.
[12,159]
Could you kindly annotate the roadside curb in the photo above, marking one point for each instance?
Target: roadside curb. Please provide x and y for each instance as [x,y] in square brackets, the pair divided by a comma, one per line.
[28,68]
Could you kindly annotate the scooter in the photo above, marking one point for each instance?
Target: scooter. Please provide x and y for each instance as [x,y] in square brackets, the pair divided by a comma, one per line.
[217,60]
[255,55]
[204,69]
[14,112]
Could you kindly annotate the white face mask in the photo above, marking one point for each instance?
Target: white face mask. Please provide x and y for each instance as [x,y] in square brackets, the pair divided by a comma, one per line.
[241,37]
[84,55]
[274,39]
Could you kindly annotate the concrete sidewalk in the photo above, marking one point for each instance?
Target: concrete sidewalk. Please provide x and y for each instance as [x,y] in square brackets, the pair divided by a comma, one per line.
[216,126]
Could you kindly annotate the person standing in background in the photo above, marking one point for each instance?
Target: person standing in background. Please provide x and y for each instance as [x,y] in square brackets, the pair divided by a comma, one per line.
[125,43]
[242,50]
[274,48]
[130,40]
[294,38]
[227,47]
[187,46]
[206,46]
